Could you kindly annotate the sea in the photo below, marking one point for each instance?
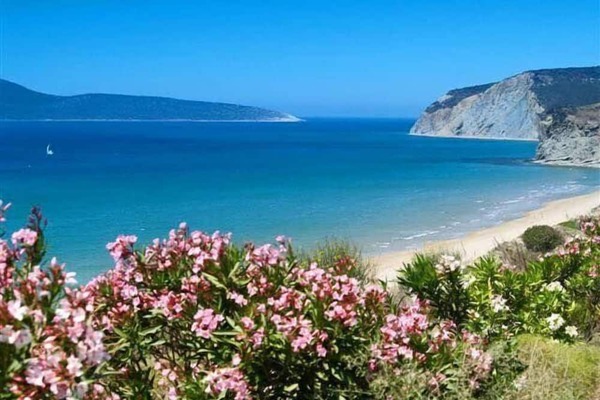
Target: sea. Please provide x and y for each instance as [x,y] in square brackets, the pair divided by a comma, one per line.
[362,180]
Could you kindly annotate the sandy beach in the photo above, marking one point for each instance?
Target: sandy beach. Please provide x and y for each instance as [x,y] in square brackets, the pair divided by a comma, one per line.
[481,242]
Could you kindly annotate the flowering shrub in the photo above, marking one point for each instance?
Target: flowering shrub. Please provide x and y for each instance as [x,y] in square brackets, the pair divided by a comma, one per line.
[195,317]
[48,348]
[557,296]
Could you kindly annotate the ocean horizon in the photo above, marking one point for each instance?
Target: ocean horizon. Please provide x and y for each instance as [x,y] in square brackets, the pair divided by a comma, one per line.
[365,180]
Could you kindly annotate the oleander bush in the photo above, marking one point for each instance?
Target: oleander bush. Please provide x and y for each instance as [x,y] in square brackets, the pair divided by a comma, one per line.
[195,317]
[556,296]
[48,346]
[541,238]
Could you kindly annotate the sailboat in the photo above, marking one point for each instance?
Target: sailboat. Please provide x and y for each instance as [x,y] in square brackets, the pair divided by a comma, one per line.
[49,151]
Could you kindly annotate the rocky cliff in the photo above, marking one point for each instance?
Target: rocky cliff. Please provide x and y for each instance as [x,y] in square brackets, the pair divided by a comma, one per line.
[556,106]
[571,136]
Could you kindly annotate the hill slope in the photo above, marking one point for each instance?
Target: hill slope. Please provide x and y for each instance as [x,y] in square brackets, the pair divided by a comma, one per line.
[20,103]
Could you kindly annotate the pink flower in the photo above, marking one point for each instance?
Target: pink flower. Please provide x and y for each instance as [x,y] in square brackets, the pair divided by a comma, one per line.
[205,322]
[225,380]
[122,247]
[24,237]
[237,298]
[247,323]
[74,366]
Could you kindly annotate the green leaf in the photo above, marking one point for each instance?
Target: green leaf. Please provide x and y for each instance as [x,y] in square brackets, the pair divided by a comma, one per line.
[214,280]
[290,388]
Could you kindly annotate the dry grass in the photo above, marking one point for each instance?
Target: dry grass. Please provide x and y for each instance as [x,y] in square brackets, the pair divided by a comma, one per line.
[558,371]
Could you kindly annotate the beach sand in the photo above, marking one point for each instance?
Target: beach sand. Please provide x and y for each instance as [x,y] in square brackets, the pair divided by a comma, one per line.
[480,242]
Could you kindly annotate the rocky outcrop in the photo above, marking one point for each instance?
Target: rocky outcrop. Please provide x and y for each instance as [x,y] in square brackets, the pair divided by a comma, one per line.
[556,106]
[571,136]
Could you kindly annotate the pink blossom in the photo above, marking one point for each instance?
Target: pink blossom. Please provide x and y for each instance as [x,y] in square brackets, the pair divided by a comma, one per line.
[122,247]
[24,237]
[205,322]
[225,380]
[237,298]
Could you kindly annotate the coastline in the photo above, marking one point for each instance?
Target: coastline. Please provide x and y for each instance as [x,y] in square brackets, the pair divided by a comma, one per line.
[474,137]
[478,243]
[294,119]
[565,164]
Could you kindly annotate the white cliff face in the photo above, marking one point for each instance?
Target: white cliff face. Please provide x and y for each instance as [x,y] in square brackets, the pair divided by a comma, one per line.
[507,110]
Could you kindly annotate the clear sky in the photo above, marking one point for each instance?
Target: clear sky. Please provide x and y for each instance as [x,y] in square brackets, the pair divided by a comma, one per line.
[307,57]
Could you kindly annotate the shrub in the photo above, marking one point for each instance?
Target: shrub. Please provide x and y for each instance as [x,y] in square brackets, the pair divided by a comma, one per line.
[541,238]
[439,280]
[195,317]
[557,296]
[255,322]
[48,347]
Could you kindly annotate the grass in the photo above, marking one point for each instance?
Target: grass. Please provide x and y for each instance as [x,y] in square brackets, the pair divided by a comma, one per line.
[332,250]
[570,224]
[558,371]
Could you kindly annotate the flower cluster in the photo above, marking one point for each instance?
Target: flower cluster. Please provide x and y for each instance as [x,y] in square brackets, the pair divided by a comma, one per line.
[45,329]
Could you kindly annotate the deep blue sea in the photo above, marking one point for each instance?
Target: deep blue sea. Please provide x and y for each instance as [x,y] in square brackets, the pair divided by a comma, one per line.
[365,180]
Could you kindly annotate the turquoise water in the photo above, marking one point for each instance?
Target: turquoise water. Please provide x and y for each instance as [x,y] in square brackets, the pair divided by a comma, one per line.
[364,179]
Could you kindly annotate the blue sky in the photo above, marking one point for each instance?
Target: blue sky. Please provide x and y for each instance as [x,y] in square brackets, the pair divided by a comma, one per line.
[326,58]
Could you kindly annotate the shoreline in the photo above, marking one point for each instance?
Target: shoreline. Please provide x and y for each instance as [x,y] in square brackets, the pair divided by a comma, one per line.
[278,120]
[480,242]
[474,137]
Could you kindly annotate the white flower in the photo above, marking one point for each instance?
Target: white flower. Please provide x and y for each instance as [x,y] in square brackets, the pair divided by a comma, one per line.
[468,280]
[447,264]
[521,382]
[499,303]
[5,333]
[554,287]
[70,278]
[571,331]
[20,338]
[17,310]
[555,321]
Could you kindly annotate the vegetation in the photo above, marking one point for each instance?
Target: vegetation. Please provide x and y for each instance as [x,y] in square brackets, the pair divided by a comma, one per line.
[195,317]
[558,371]
[542,238]
[571,224]
[20,103]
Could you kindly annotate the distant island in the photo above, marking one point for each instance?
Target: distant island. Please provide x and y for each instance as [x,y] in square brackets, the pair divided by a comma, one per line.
[558,107]
[20,103]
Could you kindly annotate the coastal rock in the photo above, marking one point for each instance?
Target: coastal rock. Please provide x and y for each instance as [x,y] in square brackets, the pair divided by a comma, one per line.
[19,103]
[571,136]
[556,106]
